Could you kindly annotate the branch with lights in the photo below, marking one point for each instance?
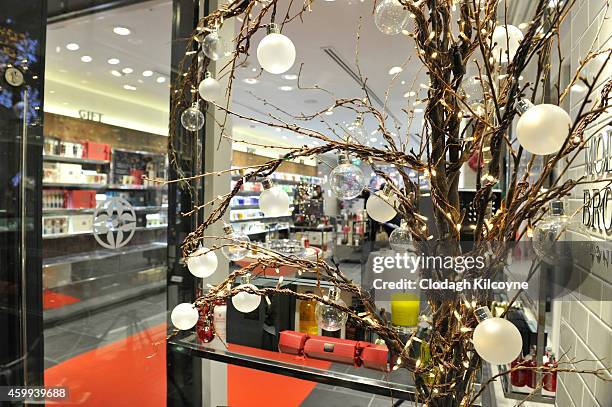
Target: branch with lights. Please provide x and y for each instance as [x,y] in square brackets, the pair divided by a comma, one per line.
[464,116]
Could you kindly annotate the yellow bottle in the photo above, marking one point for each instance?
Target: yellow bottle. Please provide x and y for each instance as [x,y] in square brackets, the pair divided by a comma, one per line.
[308,318]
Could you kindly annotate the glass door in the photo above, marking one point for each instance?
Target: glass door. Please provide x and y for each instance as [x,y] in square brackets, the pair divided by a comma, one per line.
[22,47]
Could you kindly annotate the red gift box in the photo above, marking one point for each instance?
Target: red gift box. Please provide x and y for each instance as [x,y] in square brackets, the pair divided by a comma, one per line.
[83,198]
[292,342]
[96,151]
[333,349]
[374,356]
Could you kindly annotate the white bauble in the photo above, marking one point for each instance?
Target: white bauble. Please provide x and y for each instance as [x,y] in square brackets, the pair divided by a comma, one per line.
[202,263]
[542,129]
[246,302]
[276,53]
[380,207]
[210,90]
[274,202]
[184,316]
[497,341]
[506,40]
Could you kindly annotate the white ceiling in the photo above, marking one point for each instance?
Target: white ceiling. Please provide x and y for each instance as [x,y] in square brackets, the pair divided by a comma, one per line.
[72,84]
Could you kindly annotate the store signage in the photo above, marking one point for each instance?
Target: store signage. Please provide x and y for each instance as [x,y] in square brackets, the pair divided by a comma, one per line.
[89,115]
[114,223]
[597,202]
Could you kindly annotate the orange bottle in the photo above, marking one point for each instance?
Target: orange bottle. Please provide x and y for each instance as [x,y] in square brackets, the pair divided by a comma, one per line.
[308,318]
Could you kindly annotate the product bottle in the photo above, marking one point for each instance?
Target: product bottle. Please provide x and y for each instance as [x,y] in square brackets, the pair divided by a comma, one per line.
[530,378]
[308,318]
[519,378]
[550,378]
[219,318]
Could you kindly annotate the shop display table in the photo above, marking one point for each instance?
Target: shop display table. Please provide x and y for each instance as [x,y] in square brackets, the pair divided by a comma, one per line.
[396,384]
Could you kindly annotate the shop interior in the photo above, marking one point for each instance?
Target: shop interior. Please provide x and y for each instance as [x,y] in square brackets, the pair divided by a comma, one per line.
[107,88]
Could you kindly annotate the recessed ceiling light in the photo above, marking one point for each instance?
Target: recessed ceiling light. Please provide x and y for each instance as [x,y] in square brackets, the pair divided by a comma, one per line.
[160,79]
[113,61]
[86,58]
[140,81]
[122,30]
[116,73]
[578,88]
[418,110]
[127,70]
[290,77]
[73,46]
[286,88]
[51,91]
[58,49]
[278,129]
[129,87]
[147,73]
[329,112]
[395,70]
[373,139]
[253,69]
[250,81]
[409,94]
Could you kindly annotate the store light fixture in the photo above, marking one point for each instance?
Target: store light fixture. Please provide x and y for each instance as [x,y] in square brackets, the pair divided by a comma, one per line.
[290,77]
[250,81]
[147,73]
[409,94]
[286,88]
[86,58]
[113,61]
[129,87]
[116,73]
[127,70]
[160,79]
[123,31]
[418,110]
[395,70]
[73,46]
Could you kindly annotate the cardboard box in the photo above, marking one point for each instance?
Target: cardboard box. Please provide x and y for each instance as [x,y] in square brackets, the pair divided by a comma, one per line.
[81,223]
[96,151]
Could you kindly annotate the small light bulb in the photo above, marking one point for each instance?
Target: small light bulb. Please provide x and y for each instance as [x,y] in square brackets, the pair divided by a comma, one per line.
[273,201]
[276,52]
[202,263]
[496,340]
[542,129]
[246,302]
[235,244]
[184,316]
[381,205]
[210,89]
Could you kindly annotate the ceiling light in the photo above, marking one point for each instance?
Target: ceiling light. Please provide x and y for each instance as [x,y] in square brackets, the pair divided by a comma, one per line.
[73,46]
[300,136]
[113,61]
[253,69]
[116,73]
[418,110]
[250,81]
[373,139]
[160,79]
[395,70]
[523,26]
[290,77]
[122,30]
[86,58]
[146,74]
[51,91]
[278,129]
[127,70]
[578,88]
[329,112]
[129,87]
[286,88]
[409,94]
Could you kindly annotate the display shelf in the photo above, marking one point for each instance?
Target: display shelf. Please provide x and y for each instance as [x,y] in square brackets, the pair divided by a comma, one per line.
[76,160]
[73,185]
[260,219]
[67,211]
[102,254]
[274,181]
[237,207]
[65,235]
[248,193]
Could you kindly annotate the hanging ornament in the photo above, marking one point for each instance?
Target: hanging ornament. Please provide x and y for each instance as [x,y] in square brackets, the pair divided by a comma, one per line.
[357,133]
[273,201]
[192,119]
[496,340]
[329,317]
[246,302]
[210,89]
[381,205]
[400,238]
[346,180]
[276,52]
[557,235]
[214,46]
[235,244]
[506,40]
[184,316]
[476,92]
[390,17]
[542,129]
[202,263]
[204,326]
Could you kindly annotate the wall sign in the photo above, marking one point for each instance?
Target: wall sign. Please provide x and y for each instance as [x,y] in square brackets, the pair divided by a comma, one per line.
[89,115]
[114,223]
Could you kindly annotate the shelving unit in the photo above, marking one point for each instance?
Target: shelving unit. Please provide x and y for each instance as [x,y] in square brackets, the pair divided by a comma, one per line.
[75,160]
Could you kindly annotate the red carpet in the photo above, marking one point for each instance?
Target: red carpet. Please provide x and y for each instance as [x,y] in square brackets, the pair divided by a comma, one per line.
[250,388]
[51,299]
[130,372]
